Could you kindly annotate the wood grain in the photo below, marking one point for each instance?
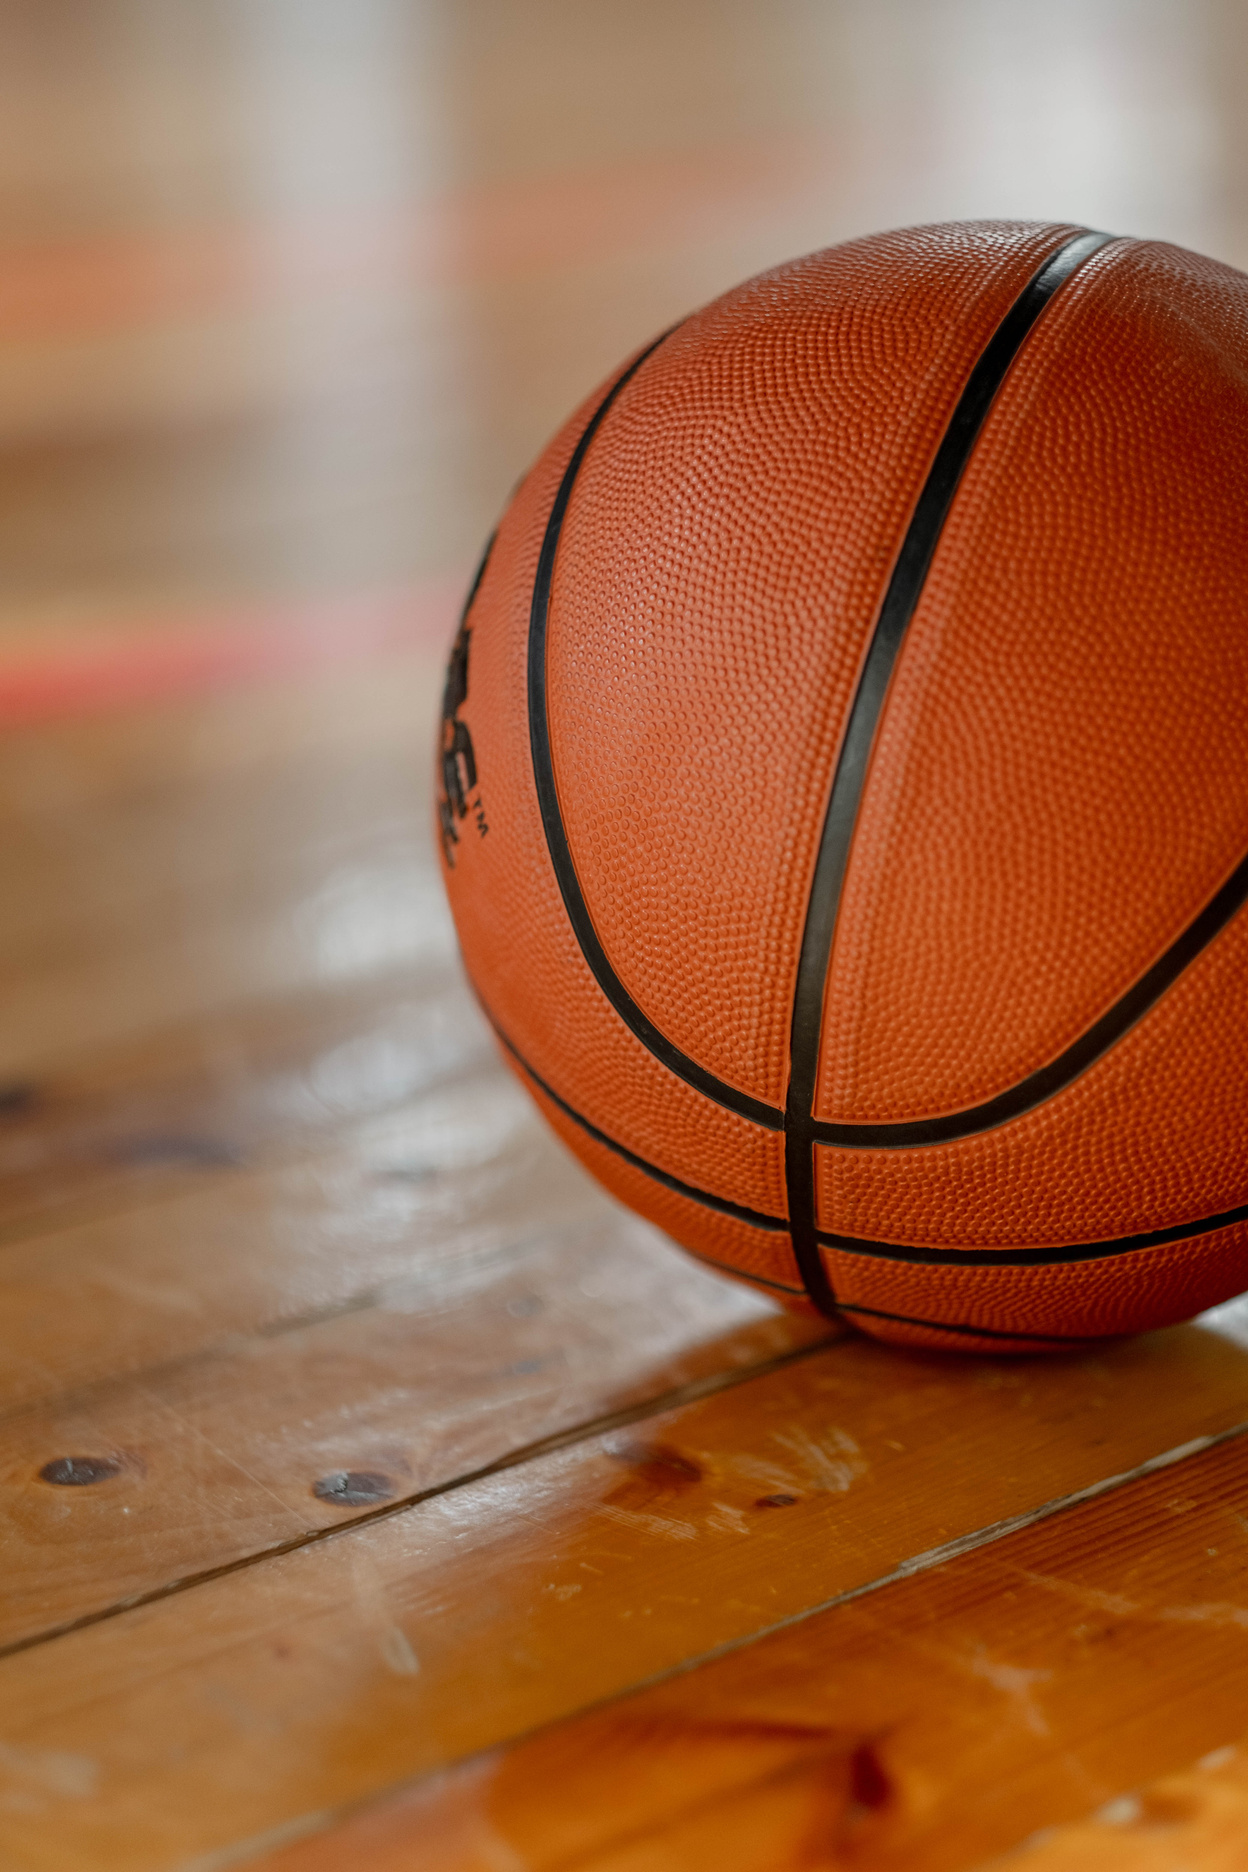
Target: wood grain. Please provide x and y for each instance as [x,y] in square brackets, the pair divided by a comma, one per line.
[420,1638]
[147,900]
[246,1252]
[917,1729]
[1196,1819]
[458,1363]
[147,1044]
[245,1088]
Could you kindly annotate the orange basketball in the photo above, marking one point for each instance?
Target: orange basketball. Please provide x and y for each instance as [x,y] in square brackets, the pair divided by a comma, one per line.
[844,784]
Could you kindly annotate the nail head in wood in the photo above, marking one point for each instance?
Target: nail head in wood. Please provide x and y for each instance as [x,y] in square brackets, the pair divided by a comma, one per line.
[354,1488]
[80,1471]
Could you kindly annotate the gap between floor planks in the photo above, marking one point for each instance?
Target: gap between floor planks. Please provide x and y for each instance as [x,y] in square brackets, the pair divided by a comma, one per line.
[444,1288]
[224,1542]
[1015,1686]
[394,1202]
[435,1633]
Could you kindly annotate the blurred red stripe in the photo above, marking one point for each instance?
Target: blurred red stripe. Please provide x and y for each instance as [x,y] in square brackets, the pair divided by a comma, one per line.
[122,665]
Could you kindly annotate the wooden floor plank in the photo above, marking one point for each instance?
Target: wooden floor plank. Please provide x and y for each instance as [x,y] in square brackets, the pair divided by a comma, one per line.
[443,1289]
[180,888]
[110,869]
[917,1729]
[454,1368]
[207,1041]
[241,1089]
[356,907]
[248,1252]
[1196,1820]
[391,1649]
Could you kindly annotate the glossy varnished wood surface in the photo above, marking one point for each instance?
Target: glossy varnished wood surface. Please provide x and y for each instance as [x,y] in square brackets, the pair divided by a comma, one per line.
[922,1725]
[372,1491]
[1195,1818]
[498,1606]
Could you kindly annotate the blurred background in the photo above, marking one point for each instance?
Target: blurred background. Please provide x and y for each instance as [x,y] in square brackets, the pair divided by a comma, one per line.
[292,291]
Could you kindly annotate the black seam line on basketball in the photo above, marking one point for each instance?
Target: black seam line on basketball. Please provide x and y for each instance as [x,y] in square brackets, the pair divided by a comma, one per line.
[975,1332]
[560,851]
[901,597]
[1060,1072]
[1102,1250]
[737,1211]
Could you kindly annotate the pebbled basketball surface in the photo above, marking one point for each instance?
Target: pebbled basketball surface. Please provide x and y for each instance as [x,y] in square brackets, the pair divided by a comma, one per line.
[845,804]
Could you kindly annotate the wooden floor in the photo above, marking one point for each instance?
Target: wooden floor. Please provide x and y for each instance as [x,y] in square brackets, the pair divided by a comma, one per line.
[374,1493]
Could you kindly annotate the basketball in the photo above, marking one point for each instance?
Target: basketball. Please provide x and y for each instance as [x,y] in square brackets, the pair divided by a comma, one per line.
[844,784]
